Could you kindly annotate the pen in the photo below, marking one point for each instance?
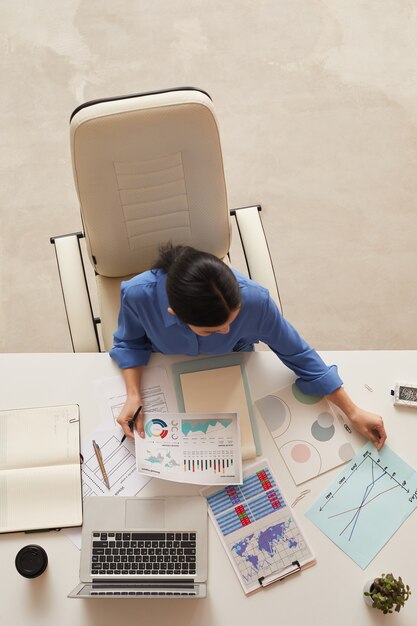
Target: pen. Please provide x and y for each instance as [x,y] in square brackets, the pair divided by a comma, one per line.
[101,464]
[132,422]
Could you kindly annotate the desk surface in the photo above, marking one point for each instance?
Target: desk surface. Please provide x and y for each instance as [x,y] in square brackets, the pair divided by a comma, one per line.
[314,597]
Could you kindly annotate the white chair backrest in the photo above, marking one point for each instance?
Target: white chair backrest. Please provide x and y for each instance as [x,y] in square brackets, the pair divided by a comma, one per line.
[148,169]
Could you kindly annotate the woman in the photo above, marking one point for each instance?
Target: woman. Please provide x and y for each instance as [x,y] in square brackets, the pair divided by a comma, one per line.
[192,303]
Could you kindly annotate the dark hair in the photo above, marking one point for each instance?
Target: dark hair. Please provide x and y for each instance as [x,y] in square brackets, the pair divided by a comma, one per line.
[201,289]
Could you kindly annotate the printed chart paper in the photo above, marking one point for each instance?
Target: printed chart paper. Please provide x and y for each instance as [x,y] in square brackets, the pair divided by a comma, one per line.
[367,503]
[198,448]
[306,431]
[257,527]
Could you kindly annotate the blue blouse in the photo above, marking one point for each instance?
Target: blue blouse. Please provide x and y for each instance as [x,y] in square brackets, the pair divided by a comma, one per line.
[146,326]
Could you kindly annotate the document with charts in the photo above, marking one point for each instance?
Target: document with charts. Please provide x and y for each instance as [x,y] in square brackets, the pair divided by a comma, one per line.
[198,448]
[259,532]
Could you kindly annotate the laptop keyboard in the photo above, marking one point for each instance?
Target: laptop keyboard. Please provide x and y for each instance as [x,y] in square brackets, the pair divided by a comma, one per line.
[143,593]
[147,554]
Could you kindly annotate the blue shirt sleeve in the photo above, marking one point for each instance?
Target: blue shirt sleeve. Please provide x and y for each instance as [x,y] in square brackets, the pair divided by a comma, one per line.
[131,344]
[315,377]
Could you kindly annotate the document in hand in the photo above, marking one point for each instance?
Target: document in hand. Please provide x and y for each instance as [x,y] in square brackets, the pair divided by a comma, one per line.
[40,477]
[198,448]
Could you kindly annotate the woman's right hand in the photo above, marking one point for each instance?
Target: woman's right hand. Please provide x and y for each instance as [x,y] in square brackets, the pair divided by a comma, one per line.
[128,411]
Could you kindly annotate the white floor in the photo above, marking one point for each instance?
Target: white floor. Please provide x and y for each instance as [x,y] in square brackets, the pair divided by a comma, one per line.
[316,104]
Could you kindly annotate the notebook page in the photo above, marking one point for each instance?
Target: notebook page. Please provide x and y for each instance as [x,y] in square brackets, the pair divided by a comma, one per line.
[37,437]
[42,497]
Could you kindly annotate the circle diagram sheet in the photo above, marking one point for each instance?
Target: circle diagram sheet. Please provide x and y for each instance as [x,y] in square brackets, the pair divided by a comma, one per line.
[367,503]
[310,434]
[198,448]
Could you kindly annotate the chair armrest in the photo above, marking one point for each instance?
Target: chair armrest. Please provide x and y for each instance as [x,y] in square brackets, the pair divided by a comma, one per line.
[255,248]
[77,301]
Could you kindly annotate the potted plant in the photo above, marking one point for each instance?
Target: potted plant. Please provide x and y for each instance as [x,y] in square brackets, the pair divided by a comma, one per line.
[386,593]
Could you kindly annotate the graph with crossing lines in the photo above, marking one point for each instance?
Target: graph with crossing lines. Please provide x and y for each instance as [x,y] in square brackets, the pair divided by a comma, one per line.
[367,503]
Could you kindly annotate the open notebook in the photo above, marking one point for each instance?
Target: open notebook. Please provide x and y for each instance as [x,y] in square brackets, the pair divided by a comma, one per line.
[40,477]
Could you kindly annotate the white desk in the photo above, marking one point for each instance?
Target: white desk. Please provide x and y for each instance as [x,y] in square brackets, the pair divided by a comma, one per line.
[327,594]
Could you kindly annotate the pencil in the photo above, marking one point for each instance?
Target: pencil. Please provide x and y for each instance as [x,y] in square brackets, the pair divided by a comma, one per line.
[101,464]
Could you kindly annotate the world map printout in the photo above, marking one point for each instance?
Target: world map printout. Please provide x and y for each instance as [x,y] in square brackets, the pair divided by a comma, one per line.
[258,529]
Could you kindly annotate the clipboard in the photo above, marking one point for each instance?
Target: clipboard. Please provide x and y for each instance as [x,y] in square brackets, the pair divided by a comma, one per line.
[258,529]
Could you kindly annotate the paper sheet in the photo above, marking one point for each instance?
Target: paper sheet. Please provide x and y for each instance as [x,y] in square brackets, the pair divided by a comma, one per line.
[157,394]
[367,503]
[310,436]
[202,449]
[220,390]
[119,460]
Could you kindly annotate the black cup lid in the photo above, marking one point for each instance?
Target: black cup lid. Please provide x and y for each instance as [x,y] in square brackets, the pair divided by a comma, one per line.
[31,561]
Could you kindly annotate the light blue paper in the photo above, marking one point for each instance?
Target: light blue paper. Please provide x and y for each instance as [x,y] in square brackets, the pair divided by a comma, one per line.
[367,503]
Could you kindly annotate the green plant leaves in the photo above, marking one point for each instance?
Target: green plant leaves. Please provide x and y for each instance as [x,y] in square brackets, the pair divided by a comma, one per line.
[388,593]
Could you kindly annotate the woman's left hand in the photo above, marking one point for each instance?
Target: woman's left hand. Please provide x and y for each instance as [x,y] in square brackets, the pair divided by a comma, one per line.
[370,425]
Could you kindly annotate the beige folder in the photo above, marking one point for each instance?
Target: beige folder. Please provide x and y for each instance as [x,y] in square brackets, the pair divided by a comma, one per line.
[220,390]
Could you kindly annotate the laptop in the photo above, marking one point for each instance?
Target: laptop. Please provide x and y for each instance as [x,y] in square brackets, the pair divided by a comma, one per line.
[143,548]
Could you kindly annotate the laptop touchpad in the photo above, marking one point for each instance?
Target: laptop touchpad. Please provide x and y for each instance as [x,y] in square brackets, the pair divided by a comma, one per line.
[145,513]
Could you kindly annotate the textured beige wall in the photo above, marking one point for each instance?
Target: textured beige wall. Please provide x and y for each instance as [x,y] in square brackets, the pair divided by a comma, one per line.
[316,102]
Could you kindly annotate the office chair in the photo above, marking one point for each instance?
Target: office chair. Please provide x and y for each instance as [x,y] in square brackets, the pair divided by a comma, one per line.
[148,169]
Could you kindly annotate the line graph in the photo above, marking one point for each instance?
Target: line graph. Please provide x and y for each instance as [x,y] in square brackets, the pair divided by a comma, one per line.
[374,466]
[365,500]
[205,426]
[366,503]
[362,505]
[346,476]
